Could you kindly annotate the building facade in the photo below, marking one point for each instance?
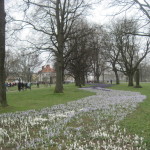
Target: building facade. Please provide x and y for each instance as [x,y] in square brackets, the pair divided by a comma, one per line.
[47,75]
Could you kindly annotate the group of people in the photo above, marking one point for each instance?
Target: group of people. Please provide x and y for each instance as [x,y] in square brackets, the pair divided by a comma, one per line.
[24,86]
[9,85]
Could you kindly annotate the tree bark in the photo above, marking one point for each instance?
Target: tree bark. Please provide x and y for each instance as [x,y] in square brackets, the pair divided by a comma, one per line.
[130,82]
[3,99]
[117,76]
[78,81]
[137,78]
[59,75]
[97,78]
[83,79]
[96,72]
[103,77]
[60,50]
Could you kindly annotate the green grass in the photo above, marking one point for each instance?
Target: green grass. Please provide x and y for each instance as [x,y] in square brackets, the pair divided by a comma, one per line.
[42,97]
[139,121]
[136,123]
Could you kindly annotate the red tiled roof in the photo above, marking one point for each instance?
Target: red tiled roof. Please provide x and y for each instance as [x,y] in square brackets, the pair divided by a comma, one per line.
[46,68]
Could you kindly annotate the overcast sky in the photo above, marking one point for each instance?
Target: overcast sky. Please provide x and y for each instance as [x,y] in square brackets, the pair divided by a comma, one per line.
[100,13]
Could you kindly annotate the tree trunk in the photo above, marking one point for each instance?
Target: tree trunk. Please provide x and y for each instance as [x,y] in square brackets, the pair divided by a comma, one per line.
[87,81]
[3,99]
[117,76]
[59,78]
[78,81]
[63,74]
[97,78]
[103,77]
[130,82]
[137,78]
[83,79]
[60,50]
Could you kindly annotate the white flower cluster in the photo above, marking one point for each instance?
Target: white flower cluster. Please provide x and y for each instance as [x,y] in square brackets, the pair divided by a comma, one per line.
[87,124]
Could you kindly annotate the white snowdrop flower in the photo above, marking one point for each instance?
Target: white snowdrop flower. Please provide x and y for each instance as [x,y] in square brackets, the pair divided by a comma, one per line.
[68,113]
[104,134]
[113,105]
[2,132]
[136,137]
[61,115]
[40,119]
[141,139]
[136,142]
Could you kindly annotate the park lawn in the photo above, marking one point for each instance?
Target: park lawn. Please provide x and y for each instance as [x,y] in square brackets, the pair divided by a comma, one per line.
[139,121]
[42,97]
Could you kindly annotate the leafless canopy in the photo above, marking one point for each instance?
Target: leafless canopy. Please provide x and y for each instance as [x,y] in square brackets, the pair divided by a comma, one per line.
[53,20]
[141,10]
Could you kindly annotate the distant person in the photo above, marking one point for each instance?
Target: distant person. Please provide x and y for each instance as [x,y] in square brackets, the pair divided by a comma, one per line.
[19,86]
[26,86]
[6,85]
[29,85]
[10,84]
[37,84]
[111,81]
[22,86]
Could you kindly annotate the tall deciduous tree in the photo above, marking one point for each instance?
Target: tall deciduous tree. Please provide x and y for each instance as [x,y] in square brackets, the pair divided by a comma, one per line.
[112,54]
[11,64]
[79,45]
[131,53]
[54,20]
[98,48]
[3,99]
[27,63]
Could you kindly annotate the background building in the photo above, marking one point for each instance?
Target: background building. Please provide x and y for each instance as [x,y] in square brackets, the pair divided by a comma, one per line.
[47,75]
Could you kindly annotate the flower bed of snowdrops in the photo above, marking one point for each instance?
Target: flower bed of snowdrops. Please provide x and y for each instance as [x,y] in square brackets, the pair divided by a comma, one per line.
[87,124]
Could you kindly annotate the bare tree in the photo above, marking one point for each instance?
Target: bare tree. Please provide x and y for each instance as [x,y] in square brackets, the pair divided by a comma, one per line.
[54,21]
[98,47]
[79,59]
[131,53]
[112,54]
[141,9]
[27,62]
[3,99]
[11,64]
[20,65]
[144,7]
